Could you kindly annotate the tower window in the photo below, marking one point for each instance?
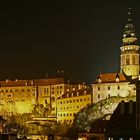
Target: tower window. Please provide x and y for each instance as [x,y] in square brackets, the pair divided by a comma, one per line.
[127,60]
[98,88]
[134,60]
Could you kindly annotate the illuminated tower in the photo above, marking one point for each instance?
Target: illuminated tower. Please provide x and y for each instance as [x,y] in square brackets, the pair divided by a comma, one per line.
[129,58]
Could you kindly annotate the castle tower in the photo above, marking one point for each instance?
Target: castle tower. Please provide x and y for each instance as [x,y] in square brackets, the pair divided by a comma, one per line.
[129,58]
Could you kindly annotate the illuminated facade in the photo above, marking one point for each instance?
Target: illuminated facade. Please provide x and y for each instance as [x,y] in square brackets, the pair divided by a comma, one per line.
[19,96]
[111,84]
[71,103]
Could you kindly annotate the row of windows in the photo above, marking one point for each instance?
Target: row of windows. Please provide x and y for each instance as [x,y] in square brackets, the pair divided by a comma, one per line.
[74,100]
[16,90]
[99,88]
[68,114]
[58,92]
[18,95]
[71,107]
[65,121]
[107,97]
[58,87]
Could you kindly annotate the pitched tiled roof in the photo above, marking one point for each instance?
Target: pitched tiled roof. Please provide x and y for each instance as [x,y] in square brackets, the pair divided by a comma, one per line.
[34,82]
[110,78]
[77,92]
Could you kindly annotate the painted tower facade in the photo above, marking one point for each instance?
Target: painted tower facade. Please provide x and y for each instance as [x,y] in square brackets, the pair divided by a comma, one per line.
[129,58]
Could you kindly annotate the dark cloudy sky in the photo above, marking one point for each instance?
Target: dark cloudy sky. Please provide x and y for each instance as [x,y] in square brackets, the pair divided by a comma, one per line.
[81,37]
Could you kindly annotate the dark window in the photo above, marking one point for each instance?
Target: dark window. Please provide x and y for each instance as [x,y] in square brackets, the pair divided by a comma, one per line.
[28,90]
[9,95]
[118,87]
[127,60]
[108,88]
[98,88]
[98,96]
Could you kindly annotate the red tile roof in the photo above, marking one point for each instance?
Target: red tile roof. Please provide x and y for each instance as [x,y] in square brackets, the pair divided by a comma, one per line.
[34,82]
[77,92]
[111,78]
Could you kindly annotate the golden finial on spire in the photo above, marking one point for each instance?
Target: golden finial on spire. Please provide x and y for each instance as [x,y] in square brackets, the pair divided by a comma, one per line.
[129,14]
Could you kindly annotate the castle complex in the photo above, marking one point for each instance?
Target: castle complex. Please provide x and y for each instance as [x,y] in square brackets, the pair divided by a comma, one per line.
[120,84]
[64,100]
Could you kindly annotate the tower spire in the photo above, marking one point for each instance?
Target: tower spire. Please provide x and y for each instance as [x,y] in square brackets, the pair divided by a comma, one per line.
[129,14]
[129,31]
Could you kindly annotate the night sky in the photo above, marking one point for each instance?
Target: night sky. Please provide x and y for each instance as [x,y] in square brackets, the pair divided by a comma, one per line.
[83,38]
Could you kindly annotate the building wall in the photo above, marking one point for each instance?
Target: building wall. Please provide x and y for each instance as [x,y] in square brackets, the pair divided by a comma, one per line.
[17,99]
[105,90]
[69,106]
